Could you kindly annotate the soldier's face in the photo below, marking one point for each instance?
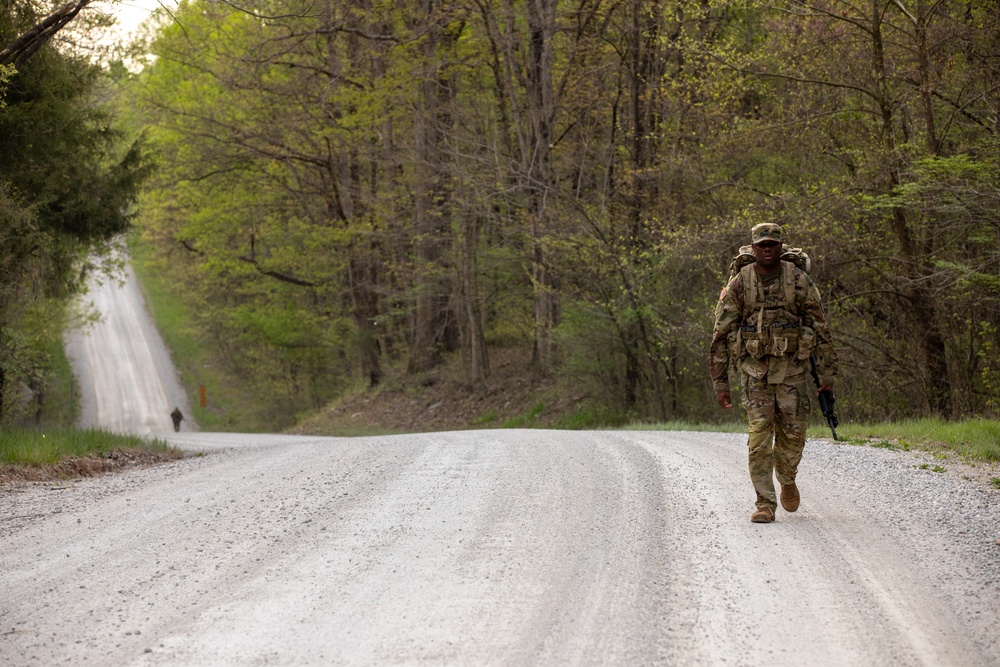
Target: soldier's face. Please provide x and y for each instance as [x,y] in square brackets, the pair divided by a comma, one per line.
[768,254]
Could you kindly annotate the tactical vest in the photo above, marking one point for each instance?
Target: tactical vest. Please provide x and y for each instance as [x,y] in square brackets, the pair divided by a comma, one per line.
[770,330]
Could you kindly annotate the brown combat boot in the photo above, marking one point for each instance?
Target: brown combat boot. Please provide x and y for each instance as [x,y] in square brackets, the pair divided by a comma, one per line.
[790,497]
[762,515]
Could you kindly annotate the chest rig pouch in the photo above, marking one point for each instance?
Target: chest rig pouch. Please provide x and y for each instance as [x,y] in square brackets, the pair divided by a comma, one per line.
[769,335]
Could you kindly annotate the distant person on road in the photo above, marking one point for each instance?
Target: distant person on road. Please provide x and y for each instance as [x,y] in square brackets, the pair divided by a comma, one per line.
[768,322]
[177,417]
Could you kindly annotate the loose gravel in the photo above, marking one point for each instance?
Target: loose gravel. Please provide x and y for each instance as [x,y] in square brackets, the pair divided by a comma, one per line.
[501,547]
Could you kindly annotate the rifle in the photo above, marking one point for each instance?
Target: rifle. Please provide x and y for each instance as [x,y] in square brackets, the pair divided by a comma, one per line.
[826,399]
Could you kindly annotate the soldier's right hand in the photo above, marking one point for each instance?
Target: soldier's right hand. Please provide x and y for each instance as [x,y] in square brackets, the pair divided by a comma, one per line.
[724,400]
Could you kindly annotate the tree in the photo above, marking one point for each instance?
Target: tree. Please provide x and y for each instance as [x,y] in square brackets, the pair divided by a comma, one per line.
[881,88]
[22,47]
[69,177]
[573,176]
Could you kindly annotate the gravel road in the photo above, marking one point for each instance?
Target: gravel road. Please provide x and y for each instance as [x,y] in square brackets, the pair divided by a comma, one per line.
[495,548]
[123,369]
[500,548]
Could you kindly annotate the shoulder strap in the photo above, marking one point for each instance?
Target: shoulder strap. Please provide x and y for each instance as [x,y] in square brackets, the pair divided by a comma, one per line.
[753,293]
[751,290]
[788,278]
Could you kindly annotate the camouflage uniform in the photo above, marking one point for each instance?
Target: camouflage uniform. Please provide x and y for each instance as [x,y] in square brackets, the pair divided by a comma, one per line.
[770,338]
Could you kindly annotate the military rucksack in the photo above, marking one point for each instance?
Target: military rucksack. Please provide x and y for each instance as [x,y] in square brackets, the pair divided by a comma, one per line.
[796,256]
[745,258]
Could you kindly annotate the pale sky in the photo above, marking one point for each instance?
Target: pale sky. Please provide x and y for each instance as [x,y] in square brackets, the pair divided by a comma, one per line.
[131,13]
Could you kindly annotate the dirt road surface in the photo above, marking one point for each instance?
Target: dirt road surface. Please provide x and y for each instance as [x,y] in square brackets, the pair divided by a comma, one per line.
[499,548]
[509,547]
[123,369]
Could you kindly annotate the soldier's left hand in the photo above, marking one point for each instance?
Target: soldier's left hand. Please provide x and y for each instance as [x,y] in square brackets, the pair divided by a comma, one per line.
[724,400]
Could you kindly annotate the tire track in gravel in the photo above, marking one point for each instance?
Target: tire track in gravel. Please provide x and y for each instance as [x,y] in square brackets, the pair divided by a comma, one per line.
[852,577]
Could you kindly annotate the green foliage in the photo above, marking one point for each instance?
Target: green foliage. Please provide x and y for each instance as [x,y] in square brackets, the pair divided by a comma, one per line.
[379,183]
[61,151]
[228,409]
[33,354]
[7,72]
[591,345]
[69,178]
[281,260]
[58,408]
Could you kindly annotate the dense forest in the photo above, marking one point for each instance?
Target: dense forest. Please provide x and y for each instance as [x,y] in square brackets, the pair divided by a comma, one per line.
[362,190]
[348,188]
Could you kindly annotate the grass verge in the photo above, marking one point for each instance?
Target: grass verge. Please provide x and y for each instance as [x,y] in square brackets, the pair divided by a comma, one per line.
[28,455]
[31,447]
[975,439]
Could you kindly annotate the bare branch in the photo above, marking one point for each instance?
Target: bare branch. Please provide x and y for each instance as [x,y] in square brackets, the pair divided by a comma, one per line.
[25,46]
[283,277]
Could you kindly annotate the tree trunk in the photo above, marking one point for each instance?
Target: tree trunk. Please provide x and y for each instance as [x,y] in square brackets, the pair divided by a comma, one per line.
[540,182]
[644,71]
[476,354]
[345,198]
[433,321]
[365,309]
[27,44]
[923,312]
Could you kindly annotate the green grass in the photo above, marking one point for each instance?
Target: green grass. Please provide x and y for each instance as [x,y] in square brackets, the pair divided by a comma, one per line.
[977,439]
[487,417]
[527,420]
[41,448]
[878,443]
[590,417]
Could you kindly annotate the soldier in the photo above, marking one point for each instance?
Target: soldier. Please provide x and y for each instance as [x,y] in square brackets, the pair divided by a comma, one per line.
[768,321]
[176,416]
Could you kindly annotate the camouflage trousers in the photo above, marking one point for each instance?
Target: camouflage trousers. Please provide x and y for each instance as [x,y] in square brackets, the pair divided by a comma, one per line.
[778,415]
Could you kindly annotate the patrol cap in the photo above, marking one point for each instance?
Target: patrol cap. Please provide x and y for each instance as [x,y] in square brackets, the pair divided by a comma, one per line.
[765,231]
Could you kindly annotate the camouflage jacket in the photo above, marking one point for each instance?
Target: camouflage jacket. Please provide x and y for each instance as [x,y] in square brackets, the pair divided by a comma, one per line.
[770,335]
